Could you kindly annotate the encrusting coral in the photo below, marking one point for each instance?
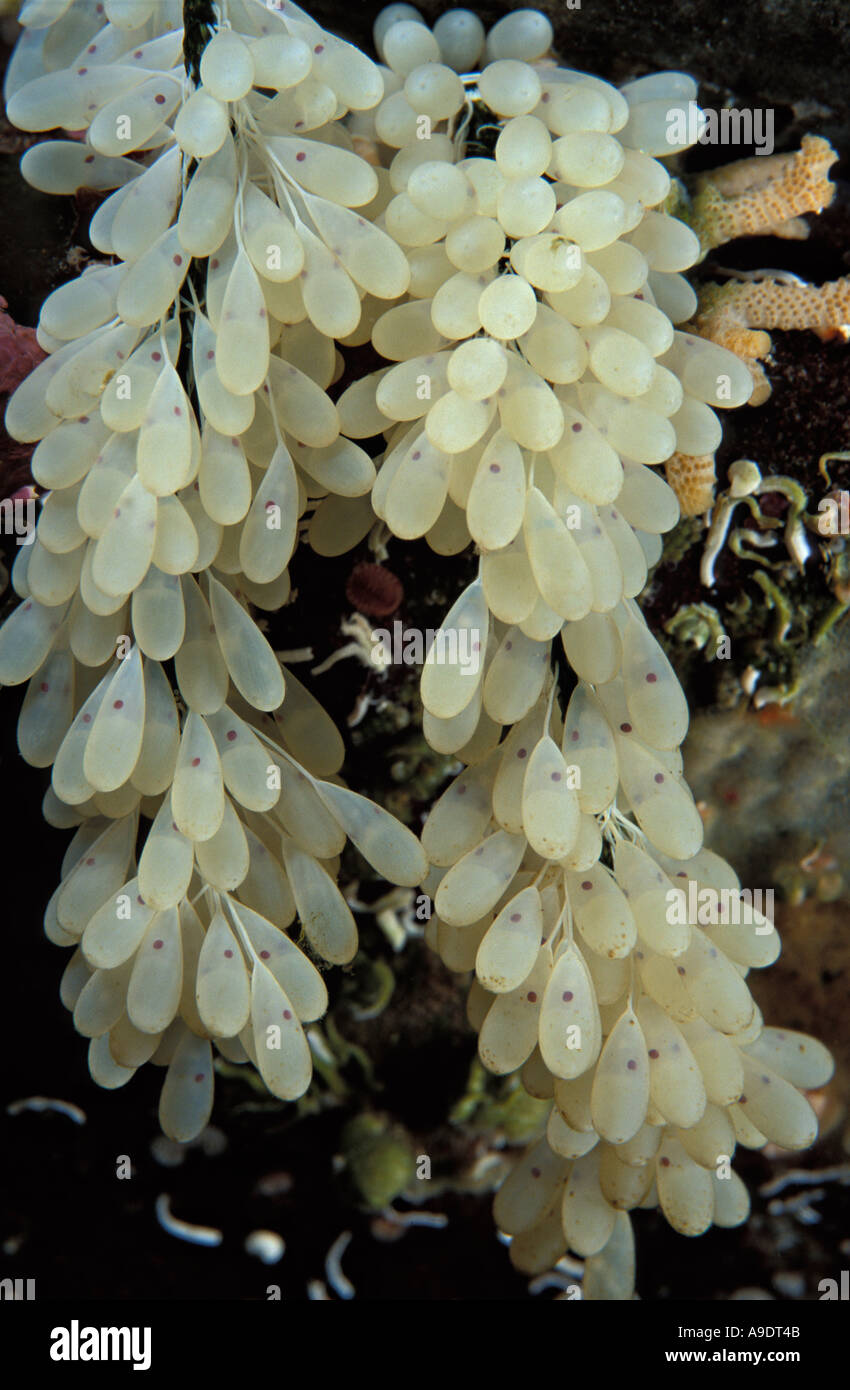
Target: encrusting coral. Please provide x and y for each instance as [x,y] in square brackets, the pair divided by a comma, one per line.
[692,477]
[524,305]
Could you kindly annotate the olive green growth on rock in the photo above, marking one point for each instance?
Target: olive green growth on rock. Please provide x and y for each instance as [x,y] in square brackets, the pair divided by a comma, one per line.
[501,1106]
[379,1159]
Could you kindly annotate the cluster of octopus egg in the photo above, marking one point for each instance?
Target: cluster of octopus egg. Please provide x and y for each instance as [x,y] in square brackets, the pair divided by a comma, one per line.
[539,374]
[540,367]
[182,427]
[184,431]
[559,856]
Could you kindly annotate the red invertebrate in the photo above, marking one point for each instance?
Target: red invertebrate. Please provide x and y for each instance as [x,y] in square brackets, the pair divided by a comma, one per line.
[374,590]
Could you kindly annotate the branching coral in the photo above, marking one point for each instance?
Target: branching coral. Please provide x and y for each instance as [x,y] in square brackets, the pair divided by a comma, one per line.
[533,379]
[760,196]
[763,196]
[734,315]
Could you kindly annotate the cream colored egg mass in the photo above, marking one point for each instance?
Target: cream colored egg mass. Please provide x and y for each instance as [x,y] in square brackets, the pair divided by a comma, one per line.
[289,198]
